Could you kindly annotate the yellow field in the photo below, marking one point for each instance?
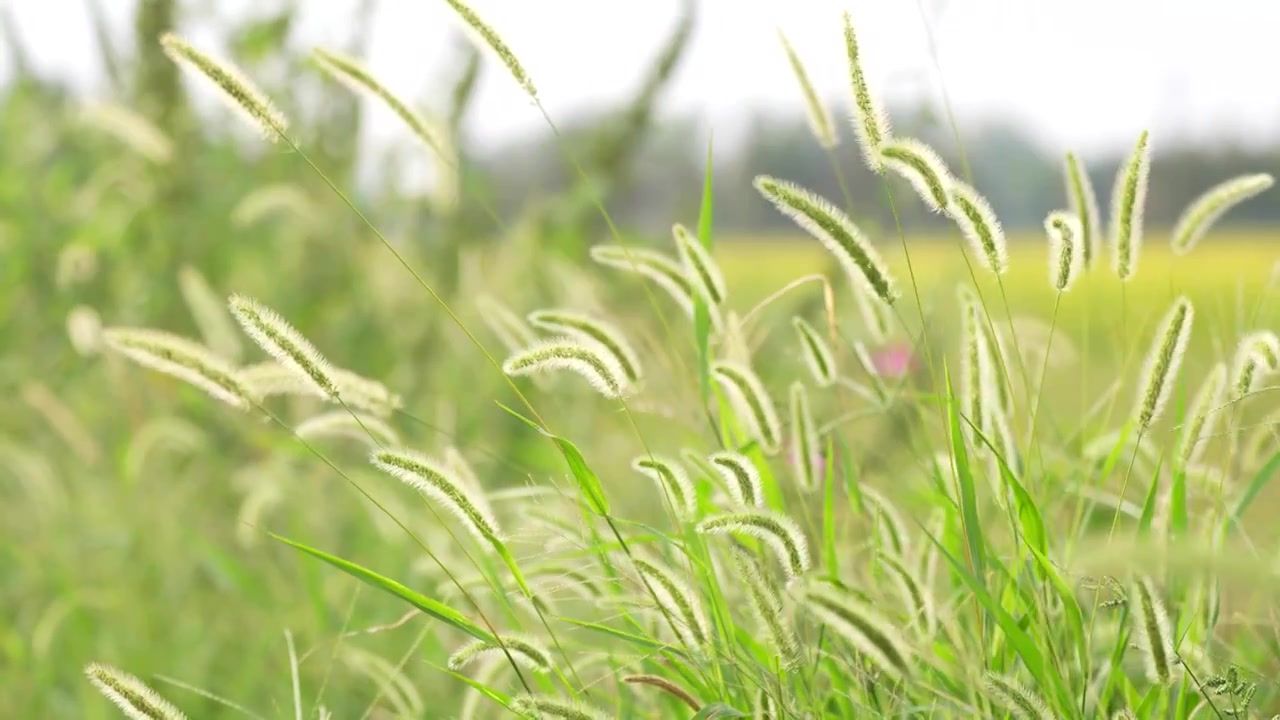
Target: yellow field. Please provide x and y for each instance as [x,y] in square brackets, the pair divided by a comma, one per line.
[1225,277]
[756,266]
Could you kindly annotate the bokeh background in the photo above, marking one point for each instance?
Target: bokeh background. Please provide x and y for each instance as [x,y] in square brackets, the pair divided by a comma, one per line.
[131,510]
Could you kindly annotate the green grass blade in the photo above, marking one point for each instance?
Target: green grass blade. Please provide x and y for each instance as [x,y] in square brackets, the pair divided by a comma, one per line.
[434,608]
[967,494]
[702,318]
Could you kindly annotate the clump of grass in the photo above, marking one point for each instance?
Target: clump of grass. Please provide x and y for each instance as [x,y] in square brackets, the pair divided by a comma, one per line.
[875,639]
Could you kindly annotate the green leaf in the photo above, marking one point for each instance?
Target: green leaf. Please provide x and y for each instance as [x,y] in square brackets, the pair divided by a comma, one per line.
[829,513]
[586,478]
[1259,481]
[1019,640]
[640,640]
[968,496]
[434,608]
[1149,505]
[702,318]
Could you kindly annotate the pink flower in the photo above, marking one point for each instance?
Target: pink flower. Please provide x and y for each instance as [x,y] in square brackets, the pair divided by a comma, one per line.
[894,360]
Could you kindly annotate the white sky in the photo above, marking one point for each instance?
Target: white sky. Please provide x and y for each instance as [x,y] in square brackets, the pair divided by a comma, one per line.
[1085,74]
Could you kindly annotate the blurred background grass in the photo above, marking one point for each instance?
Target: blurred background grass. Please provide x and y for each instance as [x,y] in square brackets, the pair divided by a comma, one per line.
[131,507]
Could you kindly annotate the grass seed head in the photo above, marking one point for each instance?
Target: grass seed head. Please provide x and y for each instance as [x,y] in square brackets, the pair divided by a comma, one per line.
[979,225]
[488,37]
[783,536]
[672,480]
[875,638]
[436,481]
[816,112]
[922,167]
[239,92]
[837,233]
[183,359]
[281,341]
[1153,630]
[804,440]
[1201,416]
[594,329]
[353,74]
[1066,246]
[1205,210]
[1084,203]
[590,360]
[525,651]
[870,122]
[1163,362]
[1020,702]
[700,266]
[816,352]
[1128,202]
[547,707]
[741,478]
[134,698]
[357,426]
[751,403]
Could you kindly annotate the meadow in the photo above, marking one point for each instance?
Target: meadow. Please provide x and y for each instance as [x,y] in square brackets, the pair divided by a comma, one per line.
[271,455]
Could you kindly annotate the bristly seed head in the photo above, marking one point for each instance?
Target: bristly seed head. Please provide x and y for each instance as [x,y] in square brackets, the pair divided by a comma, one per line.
[1084,203]
[437,481]
[1163,363]
[804,440]
[183,359]
[740,477]
[526,651]
[350,72]
[1153,630]
[488,37]
[592,329]
[858,624]
[1205,210]
[922,167]
[1018,701]
[817,353]
[1128,202]
[815,110]
[280,340]
[751,403]
[1066,245]
[980,226]
[869,120]
[700,265]
[1201,416]
[134,698]
[239,92]
[783,536]
[831,227]
[590,360]
[672,481]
